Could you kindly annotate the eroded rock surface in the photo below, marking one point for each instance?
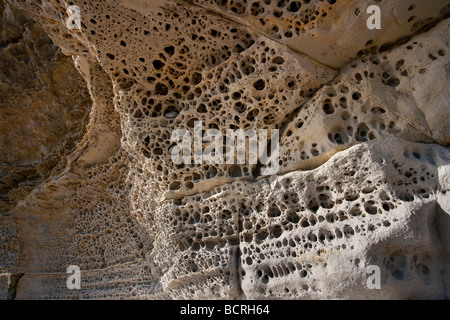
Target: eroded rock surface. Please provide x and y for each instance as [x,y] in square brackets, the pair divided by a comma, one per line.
[88,179]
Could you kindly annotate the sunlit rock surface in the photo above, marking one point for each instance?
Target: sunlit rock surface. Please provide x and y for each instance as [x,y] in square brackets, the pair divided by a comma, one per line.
[87,177]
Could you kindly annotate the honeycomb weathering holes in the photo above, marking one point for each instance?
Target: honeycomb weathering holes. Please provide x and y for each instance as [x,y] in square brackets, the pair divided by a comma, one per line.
[350,188]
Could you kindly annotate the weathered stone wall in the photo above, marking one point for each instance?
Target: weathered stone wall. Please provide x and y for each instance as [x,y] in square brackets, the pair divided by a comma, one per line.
[87,176]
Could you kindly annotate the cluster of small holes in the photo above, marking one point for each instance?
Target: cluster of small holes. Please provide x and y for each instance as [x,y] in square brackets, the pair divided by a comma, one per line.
[109,246]
[307,215]
[219,98]
[351,114]
[162,84]
[316,215]
[215,73]
[348,114]
[416,26]
[201,234]
[401,265]
[298,16]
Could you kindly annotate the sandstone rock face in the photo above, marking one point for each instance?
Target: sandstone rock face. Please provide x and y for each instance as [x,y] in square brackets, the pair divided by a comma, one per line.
[88,179]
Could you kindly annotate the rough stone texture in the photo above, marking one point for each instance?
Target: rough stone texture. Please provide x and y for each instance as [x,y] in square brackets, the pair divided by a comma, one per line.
[87,178]
[44,106]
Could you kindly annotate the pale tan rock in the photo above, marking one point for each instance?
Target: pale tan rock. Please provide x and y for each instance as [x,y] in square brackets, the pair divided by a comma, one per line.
[364,159]
[333,32]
